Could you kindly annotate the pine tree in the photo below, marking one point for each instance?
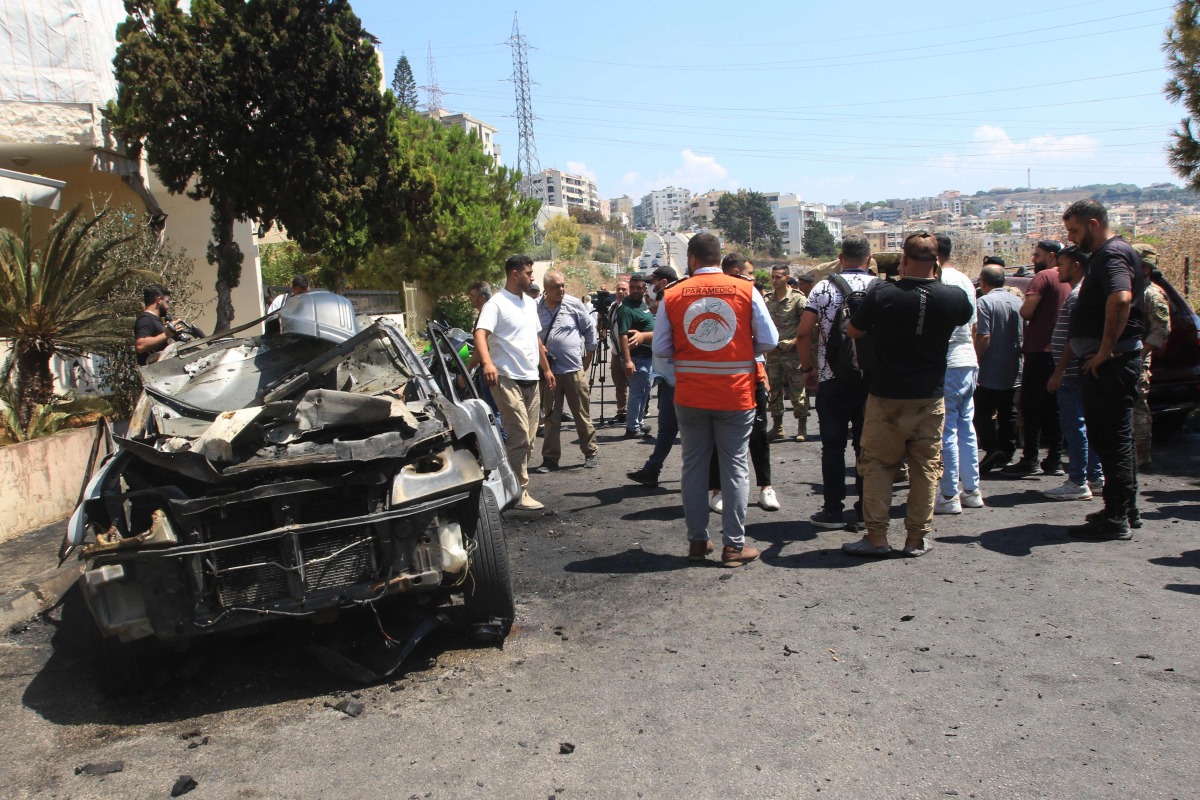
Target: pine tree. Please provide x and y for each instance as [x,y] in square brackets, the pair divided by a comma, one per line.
[445,213]
[818,241]
[1183,60]
[403,85]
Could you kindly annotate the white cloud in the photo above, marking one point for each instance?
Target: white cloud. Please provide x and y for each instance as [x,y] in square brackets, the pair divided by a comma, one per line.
[991,146]
[580,168]
[694,171]
[700,173]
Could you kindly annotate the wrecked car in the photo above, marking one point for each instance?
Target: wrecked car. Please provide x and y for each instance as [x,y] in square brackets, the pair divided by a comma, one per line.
[318,467]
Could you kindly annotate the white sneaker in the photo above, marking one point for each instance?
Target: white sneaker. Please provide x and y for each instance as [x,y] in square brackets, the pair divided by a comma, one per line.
[527,503]
[1097,486]
[971,499]
[947,505]
[1069,491]
[714,503]
[767,499]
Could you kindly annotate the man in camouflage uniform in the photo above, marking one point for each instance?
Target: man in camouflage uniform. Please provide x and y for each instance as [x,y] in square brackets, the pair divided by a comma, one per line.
[1157,318]
[783,363]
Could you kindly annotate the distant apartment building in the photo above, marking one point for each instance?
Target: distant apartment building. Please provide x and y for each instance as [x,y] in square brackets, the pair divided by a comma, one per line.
[884,238]
[622,205]
[792,216]
[950,200]
[886,214]
[563,190]
[662,208]
[485,133]
[702,209]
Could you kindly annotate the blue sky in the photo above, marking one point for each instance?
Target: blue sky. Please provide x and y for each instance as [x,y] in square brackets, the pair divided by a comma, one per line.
[832,101]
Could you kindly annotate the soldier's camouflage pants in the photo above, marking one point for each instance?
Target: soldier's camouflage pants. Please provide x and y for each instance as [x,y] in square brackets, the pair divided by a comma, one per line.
[1141,414]
[784,369]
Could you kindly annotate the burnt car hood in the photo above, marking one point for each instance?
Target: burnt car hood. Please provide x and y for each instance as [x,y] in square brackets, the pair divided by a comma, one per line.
[268,402]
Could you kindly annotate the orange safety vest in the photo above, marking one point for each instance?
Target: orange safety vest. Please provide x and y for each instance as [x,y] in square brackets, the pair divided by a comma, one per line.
[710,317]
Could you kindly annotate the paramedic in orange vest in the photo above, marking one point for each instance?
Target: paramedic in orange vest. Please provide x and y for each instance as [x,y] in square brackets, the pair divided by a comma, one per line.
[713,325]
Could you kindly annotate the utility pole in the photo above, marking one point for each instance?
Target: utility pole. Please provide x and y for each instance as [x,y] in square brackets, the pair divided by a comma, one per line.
[527,157]
[433,92]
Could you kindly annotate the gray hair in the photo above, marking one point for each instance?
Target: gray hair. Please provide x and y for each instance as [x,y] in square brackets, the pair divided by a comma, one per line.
[992,276]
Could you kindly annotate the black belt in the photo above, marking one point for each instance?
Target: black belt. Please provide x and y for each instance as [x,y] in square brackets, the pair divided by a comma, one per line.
[525,384]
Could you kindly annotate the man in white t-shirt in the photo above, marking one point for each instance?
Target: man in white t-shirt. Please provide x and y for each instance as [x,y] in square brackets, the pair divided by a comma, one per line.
[512,355]
[960,448]
[839,406]
[299,286]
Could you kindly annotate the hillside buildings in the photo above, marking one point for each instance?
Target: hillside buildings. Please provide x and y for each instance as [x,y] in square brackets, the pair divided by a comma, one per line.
[560,189]
[482,131]
[792,215]
[662,208]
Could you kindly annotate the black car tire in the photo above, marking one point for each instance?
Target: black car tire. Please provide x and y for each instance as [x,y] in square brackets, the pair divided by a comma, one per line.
[488,593]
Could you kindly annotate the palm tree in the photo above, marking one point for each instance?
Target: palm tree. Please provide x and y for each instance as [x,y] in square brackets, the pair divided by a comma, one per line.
[56,300]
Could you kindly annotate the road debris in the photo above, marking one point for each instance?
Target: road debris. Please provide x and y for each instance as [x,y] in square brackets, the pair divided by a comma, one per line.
[183,785]
[101,768]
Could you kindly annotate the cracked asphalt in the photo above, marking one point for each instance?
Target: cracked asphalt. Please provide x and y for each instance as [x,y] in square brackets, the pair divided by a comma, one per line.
[1009,662]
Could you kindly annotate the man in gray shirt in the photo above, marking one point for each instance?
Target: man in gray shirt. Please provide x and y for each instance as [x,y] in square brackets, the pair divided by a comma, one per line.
[998,345]
[570,339]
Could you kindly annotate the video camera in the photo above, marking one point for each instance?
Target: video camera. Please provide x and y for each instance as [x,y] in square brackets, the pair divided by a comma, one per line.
[602,302]
[184,331]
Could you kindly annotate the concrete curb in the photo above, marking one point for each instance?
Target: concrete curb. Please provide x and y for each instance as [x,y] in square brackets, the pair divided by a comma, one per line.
[37,595]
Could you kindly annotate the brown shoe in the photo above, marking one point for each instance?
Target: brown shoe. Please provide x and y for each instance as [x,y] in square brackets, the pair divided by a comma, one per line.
[802,433]
[735,557]
[697,550]
[776,431]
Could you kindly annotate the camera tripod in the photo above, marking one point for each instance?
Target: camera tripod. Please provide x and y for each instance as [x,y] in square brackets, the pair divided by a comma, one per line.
[600,361]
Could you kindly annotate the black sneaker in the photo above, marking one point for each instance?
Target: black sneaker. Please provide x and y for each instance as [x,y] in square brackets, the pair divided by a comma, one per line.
[1052,468]
[992,461]
[829,520]
[1102,529]
[1135,517]
[547,466]
[1022,469]
[643,476]
[620,417]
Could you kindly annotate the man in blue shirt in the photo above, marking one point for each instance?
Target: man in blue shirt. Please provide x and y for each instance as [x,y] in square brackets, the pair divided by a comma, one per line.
[570,339]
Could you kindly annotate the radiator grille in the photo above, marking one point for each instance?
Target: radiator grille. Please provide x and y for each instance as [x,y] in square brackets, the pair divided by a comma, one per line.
[355,563]
[251,586]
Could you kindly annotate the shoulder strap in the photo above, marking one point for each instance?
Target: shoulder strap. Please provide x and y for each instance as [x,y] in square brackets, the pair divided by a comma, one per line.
[843,286]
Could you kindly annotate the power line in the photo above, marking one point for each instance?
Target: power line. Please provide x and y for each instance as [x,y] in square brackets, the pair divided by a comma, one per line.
[843,60]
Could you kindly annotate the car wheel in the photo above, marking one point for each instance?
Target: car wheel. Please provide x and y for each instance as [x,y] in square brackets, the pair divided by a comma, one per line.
[488,594]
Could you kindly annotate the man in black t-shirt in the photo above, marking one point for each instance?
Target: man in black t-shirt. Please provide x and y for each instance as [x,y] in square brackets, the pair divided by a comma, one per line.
[910,322]
[150,332]
[1105,333]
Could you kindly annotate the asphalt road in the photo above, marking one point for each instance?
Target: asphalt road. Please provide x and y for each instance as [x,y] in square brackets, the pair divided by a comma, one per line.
[1009,663]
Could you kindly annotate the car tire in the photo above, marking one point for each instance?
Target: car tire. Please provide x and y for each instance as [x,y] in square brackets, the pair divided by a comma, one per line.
[488,594]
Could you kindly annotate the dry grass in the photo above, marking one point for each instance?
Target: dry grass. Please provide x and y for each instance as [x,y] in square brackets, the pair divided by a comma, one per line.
[1177,244]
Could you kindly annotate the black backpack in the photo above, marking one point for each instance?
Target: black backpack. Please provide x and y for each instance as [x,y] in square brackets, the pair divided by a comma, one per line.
[848,359]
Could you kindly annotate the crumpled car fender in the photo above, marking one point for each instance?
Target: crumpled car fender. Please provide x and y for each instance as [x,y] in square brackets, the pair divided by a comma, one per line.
[473,416]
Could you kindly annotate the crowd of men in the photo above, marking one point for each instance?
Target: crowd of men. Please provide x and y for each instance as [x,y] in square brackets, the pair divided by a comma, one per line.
[917,372]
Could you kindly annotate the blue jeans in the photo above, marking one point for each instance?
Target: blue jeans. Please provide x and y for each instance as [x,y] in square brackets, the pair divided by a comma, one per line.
[960,450]
[1085,461]
[639,393]
[668,428]
[839,411]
